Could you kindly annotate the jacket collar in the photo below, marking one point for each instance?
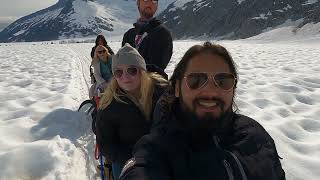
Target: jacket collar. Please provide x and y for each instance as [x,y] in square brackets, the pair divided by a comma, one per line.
[148,26]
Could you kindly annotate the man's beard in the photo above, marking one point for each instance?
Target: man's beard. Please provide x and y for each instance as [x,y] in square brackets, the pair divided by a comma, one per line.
[207,122]
[147,15]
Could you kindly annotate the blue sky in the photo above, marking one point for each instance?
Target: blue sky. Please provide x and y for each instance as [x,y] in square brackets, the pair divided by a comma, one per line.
[11,10]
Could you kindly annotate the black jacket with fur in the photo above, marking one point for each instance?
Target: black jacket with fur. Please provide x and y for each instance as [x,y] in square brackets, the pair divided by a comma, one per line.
[240,150]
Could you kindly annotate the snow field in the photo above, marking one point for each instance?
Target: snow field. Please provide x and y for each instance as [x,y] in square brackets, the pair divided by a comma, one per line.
[41,87]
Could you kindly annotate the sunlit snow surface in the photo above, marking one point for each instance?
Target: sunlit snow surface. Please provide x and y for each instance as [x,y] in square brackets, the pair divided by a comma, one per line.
[41,86]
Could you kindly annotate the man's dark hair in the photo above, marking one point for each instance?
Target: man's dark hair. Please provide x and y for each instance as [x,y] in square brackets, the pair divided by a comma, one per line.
[208,48]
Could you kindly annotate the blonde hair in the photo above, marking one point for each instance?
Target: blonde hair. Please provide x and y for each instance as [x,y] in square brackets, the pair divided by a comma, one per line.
[148,82]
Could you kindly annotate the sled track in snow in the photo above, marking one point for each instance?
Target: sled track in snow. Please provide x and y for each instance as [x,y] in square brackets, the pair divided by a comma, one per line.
[84,77]
[84,66]
[86,142]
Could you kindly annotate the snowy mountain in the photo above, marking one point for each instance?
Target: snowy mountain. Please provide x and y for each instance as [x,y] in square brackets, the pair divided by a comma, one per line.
[219,19]
[233,19]
[75,19]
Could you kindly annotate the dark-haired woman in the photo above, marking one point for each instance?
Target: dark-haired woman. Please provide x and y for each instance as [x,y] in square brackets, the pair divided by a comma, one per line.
[101,40]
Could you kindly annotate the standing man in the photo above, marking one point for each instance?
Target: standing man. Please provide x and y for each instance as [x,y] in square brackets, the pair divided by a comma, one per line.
[198,134]
[150,37]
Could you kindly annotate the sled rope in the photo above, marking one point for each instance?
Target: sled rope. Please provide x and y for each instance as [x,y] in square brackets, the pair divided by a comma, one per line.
[101,166]
[96,152]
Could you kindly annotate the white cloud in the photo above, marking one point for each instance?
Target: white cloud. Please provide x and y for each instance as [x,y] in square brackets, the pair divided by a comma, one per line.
[11,10]
[23,7]
[5,19]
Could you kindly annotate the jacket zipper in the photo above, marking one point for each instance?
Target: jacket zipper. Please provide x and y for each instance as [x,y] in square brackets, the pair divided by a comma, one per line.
[228,169]
[227,165]
[243,174]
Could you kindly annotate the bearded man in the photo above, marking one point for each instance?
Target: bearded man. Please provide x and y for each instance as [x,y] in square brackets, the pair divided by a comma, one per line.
[197,133]
[150,37]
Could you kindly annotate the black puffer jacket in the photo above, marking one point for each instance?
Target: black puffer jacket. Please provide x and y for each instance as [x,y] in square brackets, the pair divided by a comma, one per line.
[156,47]
[241,151]
[121,125]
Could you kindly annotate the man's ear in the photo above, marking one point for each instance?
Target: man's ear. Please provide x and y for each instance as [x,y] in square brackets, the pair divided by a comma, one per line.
[177,88]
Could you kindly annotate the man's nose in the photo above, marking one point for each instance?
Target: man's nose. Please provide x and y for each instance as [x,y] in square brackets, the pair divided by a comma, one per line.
[211,85]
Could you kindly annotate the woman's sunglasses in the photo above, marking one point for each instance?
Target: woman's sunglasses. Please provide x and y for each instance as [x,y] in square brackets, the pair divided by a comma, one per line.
[102,51]
[197,80]
[132,71]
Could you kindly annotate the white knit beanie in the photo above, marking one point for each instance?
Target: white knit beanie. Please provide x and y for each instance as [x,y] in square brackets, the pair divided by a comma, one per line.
[129,56]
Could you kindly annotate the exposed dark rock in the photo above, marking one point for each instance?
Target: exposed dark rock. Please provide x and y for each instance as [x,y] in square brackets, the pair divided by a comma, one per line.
[227,19]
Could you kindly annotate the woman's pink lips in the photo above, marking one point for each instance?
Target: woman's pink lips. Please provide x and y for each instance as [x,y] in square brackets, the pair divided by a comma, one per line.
[127,82]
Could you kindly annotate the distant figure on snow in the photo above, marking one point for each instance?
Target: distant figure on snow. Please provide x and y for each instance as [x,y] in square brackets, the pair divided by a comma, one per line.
[101,40]
[150,37]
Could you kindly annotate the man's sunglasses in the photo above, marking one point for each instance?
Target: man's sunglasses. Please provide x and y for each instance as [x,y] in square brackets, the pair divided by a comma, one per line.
[102,51]
[197,80]
[153,1]
[132,71]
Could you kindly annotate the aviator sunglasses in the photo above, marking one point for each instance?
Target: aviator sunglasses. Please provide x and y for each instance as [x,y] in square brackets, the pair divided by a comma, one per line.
[132,71]
[197,80]
[153,1]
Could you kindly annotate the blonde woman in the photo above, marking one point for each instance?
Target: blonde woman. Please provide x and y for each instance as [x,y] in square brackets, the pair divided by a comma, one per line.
[102,73]
[126,107]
